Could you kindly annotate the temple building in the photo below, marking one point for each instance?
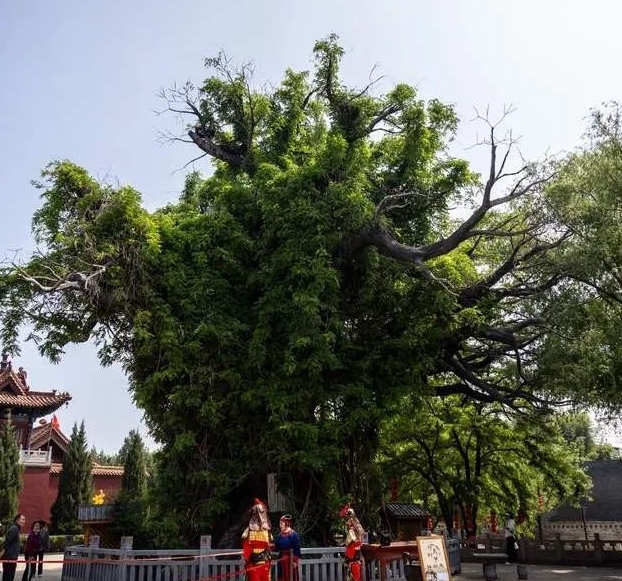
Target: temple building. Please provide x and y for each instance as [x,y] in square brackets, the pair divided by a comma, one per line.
[42,443]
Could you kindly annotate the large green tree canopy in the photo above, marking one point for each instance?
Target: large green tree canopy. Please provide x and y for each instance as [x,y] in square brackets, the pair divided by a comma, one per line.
[271,317]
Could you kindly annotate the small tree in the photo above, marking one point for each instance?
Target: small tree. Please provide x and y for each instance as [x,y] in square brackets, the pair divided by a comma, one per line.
[101,457]
[134,480]
[10,472]
[75,485]
[131,504]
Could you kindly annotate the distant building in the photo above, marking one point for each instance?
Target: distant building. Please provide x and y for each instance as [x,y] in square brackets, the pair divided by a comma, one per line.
[602,514]
[42,446]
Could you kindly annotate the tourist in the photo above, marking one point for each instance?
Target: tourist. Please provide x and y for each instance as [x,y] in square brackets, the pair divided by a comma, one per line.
[354,539]
[31,551]
[288,546]
[11,548]
[510,538]
[44,534]
[257,542]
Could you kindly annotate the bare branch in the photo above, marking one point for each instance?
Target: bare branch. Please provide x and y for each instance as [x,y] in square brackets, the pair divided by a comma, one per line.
[73,281]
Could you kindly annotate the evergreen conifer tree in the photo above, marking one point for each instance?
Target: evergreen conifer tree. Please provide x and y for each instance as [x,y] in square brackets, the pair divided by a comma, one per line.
[134,480]
[10,472]
[75,485]
[131,504]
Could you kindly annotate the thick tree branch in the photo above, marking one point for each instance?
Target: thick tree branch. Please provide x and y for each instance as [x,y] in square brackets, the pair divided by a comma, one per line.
[217,151]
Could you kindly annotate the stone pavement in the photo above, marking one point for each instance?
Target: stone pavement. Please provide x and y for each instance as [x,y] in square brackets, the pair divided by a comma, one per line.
[471,571]
[51,570]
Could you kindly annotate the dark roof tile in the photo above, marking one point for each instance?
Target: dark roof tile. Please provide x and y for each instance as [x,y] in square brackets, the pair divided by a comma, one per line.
[405,510]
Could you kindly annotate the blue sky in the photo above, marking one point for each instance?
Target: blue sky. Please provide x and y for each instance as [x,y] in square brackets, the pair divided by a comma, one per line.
[80,81]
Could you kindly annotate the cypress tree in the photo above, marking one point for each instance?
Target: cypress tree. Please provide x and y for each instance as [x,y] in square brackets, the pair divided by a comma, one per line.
[10,472]
[131,509]
[134,482]
[75,486]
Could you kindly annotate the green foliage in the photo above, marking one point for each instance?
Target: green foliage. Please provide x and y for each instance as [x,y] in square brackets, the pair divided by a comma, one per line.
[276,315]
[586,197]
[10,472]
[479,457]
[131,514]
[104,459]
[134,482]
[58,543]
[75,484]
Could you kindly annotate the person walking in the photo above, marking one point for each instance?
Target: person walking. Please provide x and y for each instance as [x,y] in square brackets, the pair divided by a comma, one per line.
[510,539]
[11,548]
[287,544]
[44,535]
[31,551]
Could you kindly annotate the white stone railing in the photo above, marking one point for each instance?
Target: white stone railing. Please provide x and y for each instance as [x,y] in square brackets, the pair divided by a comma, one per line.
[35,457]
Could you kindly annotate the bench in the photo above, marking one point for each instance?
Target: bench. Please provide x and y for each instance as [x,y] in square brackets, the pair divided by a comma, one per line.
[489,562]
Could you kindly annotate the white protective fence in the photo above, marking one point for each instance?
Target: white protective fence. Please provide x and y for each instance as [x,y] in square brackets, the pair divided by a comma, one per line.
[95,564]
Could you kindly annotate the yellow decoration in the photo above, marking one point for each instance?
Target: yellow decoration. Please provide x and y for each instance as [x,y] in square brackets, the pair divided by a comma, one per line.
[99,498]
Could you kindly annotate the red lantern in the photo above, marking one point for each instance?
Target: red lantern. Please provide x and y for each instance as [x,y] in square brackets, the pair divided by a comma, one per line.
[428,523]
[469,518]
[393,485]
[456,519]
[493,521]
[521,516]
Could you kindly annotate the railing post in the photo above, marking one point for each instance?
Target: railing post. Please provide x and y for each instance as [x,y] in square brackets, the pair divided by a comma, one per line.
[559,546]
[89,558]
[204,550]
[125,548]
[598,549]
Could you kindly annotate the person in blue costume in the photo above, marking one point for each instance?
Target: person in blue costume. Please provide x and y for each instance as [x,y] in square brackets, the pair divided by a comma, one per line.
[287,544]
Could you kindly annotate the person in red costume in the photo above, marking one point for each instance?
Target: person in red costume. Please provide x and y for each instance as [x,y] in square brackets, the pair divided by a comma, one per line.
[354,539]
[257,542]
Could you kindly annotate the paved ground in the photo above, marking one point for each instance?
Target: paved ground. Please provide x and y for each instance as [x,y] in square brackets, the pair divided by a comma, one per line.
[470,571]
[52,568]
[542,573]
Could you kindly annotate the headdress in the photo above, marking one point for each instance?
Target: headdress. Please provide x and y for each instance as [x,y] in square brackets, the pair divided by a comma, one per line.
[353,523]
[346,511]
[259,516]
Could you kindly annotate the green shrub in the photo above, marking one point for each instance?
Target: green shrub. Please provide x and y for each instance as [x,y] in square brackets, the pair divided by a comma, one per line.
[57,542]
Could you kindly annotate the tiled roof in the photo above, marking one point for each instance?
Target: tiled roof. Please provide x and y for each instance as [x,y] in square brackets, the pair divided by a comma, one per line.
[9,378]
[15,394]
[97,470]
[43,401]
[42,435]
[404,510]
